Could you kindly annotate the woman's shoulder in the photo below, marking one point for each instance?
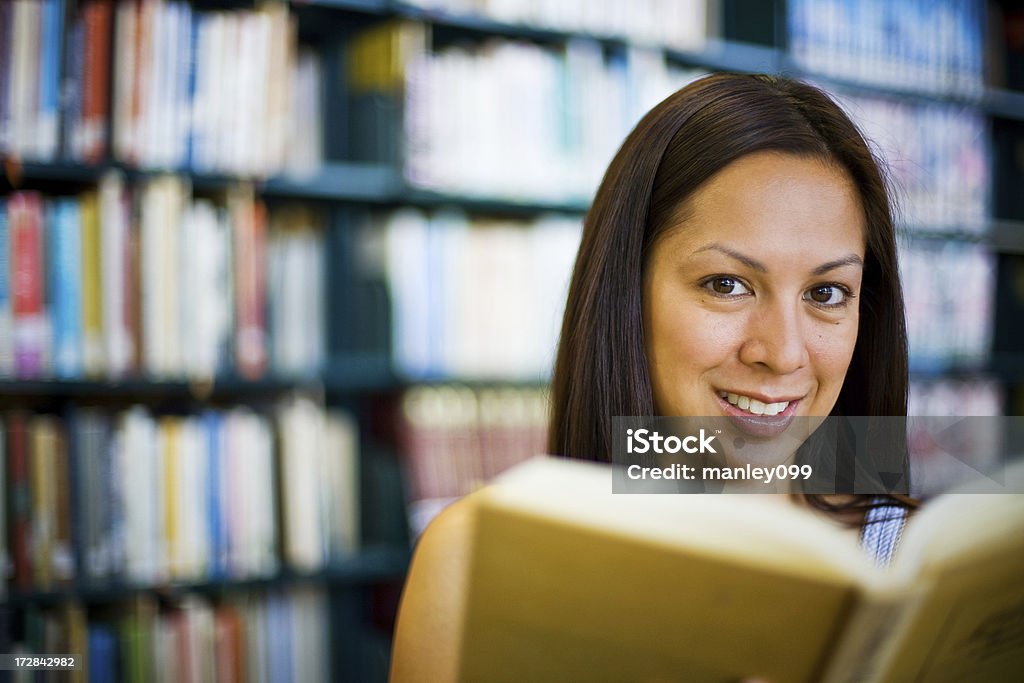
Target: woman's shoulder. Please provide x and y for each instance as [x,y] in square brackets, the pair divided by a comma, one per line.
[430,614]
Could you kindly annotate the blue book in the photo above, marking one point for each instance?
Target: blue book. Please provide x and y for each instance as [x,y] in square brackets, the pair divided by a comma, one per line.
[217,520]
[200,23]
[186,72]
[103,654]
[64,232]
[279,637]
[50,55]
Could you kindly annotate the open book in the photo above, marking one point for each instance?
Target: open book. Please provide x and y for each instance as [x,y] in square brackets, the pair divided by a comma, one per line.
[569,582]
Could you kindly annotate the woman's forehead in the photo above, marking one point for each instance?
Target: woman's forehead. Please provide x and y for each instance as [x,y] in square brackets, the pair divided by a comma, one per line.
[767,200]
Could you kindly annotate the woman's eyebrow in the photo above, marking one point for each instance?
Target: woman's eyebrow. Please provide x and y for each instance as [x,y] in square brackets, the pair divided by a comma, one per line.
[742,258]
[848,260]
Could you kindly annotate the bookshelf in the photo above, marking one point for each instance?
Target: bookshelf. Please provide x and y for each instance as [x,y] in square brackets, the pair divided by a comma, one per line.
[357,175]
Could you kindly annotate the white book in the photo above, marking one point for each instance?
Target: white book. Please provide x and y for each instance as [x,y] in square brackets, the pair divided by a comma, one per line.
[301,427]
[204,98]
[449,229]
[248,113]
[167,647]
[195,552]
[226,96]
[303,151]
[409,280]
[22,98]
[114,257]
[555,241]
[154,108]
[252,497]
[125,64]
[279,94]
[200,664]
[138,462]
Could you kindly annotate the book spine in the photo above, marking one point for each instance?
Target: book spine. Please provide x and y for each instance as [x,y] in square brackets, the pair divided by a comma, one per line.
[6,310]
[114,254]
[27,275]
[20,491]
[92,286]
[24,90]
[98,15]
[78,482]
[50,59]
[62,559]
[126,29]
[42,478]
[6,50]
[869,638]
[65,252]
[72,87]
[249,224]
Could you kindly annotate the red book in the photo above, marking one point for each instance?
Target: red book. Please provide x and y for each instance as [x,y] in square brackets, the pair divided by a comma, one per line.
[25,212]
[250,227]
[228,645]
[98,17]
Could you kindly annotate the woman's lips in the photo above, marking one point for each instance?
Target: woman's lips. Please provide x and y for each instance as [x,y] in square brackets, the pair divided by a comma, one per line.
[759,426]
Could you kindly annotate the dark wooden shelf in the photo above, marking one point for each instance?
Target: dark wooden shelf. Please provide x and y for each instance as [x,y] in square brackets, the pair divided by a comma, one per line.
[142,387]
[372,565]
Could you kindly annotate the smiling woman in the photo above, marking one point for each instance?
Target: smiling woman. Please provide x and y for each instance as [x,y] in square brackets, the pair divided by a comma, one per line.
[738,262]
[755,318]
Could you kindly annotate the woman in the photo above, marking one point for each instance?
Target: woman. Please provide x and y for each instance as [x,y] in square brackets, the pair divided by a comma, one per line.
[739,259]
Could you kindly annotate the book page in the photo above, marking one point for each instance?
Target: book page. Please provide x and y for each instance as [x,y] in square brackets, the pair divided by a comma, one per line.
[766,529]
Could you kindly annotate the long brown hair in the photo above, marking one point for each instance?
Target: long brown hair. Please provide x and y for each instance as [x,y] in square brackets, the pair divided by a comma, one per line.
[601,368]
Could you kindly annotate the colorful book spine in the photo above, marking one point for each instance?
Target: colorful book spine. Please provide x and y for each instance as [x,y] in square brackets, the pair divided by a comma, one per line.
[249,223]
[65,254]
[98,25]
[6,304]
[92,285]
[28,274]
[50,60]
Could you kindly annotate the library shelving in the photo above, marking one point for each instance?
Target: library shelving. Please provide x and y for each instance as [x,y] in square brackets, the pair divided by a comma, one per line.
[356,153]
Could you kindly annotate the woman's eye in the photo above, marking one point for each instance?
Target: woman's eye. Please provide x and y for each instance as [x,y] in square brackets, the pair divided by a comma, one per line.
[726,286]
[827,295]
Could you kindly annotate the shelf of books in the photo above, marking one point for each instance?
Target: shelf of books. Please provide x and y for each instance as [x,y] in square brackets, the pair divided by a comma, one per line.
[278,280]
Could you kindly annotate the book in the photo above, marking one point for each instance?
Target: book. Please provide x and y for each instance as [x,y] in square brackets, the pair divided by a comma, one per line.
[568,581]
[27,284]
[6,291]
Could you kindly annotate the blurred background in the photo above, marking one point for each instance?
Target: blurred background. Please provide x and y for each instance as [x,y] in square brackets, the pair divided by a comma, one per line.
[278,280]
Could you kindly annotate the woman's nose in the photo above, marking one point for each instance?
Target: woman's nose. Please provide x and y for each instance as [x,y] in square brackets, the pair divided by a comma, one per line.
[775,338]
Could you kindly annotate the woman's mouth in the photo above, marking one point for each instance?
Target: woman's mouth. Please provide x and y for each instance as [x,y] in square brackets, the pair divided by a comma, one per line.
[753,405]
[756,417]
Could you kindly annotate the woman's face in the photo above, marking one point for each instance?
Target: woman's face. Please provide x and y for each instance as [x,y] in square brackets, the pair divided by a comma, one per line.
[751,302]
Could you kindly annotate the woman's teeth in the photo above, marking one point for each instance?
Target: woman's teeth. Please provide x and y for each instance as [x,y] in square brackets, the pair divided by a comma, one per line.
[752,405]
